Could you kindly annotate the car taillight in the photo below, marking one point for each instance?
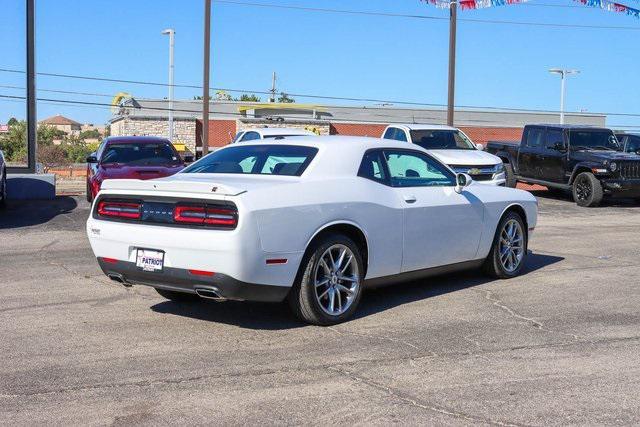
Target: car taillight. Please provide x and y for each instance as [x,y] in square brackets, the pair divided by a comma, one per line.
[214,216]
[128,210]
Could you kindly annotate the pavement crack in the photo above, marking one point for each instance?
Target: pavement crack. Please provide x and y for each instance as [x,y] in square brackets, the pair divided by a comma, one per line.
[488,295]
[419,403]
[380,337]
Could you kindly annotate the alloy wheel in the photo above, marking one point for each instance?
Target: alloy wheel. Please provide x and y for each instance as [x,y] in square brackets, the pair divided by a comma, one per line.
[336,280]
[583,189]
[511,246]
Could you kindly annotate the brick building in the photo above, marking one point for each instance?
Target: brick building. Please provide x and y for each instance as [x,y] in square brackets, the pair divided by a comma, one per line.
[150,117]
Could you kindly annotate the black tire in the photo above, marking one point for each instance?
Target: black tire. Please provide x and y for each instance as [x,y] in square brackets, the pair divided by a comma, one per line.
[510,176]
[587,190]
[177,296]
[303,299]
[3,190]
[89,196]
[493,265]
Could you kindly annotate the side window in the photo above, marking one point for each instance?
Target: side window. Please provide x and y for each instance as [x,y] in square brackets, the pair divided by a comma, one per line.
[554,137]
[401,135]
[250,136]
[100,150]
[372,167]
[248,164]
[633,144]
[414,169]
[534,137]
[238,136]
[390,133]
[282,165]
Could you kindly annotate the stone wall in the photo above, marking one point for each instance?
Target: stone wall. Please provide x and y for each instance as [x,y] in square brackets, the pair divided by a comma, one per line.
[184,130]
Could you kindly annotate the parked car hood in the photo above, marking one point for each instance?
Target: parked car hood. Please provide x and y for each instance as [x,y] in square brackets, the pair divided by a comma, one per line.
[139,172]
[201,183]
[601,155]
[465,157]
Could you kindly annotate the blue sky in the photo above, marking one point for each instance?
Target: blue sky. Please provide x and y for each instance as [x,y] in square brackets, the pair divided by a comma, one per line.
[328,54]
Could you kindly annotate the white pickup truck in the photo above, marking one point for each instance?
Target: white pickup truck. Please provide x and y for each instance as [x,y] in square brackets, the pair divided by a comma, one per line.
[452,147]
[267,133]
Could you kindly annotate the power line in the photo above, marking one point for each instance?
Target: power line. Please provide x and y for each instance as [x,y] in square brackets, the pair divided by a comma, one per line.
[299,95]
[428,17]
[335,120]
[67,92]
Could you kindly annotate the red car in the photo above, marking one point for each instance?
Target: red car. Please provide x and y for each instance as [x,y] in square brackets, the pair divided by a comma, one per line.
[131,157]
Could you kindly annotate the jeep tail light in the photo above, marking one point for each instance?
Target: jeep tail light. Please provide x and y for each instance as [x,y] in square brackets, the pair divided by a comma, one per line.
[114,209]
[214,216]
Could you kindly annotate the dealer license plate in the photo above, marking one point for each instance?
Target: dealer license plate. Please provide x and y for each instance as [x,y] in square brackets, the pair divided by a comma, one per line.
[149,260]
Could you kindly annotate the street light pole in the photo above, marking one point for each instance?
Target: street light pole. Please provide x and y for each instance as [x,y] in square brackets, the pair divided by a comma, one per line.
[171,32]
[453,18]
[205,80]
[563,74]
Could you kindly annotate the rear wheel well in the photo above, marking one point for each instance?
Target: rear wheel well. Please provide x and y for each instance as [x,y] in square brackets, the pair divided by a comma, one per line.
[352,232]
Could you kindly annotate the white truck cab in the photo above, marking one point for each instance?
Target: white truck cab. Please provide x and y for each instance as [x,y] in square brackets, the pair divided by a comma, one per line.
[265,133]
[452,147]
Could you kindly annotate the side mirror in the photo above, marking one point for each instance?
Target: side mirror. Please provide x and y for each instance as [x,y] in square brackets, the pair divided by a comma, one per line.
[559,146]
[462,181]
[188,159]
[480,147]
[92,159]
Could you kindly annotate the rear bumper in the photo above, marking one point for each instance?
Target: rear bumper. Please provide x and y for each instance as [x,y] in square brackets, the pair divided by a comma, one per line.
[181,280]
[622,187]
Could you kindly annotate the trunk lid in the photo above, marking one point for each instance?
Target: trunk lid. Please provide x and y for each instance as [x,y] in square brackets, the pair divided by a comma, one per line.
[200,183]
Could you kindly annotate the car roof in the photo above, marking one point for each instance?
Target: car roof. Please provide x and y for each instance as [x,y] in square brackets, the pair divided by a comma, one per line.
[279,131]
[135,139]
[333,141]
[422,126]
[569,127]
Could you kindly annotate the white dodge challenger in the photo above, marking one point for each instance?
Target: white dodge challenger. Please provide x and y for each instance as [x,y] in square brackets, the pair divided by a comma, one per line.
[312,220]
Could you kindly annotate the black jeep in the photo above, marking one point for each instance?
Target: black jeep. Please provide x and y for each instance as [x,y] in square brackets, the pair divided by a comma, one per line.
[589,161]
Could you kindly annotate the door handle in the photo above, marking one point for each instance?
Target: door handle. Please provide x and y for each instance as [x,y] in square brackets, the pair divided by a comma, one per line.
[410,199]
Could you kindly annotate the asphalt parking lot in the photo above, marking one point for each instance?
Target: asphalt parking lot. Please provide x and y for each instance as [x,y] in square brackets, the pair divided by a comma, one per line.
[558,345]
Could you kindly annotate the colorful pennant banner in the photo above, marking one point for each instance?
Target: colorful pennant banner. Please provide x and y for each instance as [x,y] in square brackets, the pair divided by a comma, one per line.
[473,4]
[482,4]
[611,7]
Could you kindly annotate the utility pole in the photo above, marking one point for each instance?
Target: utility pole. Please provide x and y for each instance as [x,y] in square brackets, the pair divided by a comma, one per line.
[453,18]
[32,120]
[273,88]
[171,32]
[205,78]
[563,74]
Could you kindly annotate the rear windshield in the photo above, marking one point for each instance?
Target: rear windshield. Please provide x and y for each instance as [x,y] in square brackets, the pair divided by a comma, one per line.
[289,160]
[441,140]
[160,153]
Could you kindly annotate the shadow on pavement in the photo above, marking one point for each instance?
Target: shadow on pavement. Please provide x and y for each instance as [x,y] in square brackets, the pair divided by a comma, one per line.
[263,316]
[25,213]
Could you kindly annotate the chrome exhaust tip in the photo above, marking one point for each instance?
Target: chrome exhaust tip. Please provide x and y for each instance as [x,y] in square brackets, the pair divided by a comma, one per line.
[119,278]
[209,293]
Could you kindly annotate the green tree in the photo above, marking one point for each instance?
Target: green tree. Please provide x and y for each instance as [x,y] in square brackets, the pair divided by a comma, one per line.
[248,98]
[75,149]
[14,143]
[284,98]
[12,121]
[90,134]
[47,134]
